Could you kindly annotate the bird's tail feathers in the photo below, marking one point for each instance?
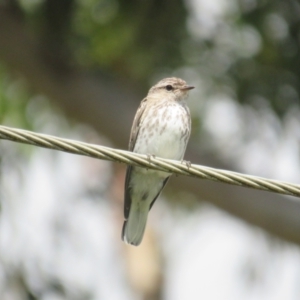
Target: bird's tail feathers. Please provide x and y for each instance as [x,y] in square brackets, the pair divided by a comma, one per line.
[134,226]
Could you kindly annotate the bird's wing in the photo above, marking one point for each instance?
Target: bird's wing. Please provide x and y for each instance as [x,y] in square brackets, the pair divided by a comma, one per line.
[164,183]
[136,124]
[133,136]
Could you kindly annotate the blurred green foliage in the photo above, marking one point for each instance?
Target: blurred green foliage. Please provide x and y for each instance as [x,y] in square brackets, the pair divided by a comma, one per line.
[14,97]
[273,73]
[131,38]
[251,50]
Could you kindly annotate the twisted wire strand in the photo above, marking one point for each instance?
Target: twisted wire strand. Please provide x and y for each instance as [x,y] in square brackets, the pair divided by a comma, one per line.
[150,162]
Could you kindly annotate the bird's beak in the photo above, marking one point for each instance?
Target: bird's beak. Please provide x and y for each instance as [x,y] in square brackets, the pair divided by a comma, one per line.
[187,87]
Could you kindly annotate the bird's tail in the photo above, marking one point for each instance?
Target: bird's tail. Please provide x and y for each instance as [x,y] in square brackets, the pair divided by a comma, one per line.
[134,226]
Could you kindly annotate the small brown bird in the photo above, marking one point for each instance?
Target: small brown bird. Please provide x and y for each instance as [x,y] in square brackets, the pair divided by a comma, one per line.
[161,127]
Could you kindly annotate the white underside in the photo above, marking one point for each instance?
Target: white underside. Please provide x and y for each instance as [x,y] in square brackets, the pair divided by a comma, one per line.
[166,143]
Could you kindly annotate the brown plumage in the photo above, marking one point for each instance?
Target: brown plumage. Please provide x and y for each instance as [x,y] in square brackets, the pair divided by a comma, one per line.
[161,127]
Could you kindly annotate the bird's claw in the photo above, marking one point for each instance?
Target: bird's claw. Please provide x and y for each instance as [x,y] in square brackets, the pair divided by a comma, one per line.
[149,157]
[187,163]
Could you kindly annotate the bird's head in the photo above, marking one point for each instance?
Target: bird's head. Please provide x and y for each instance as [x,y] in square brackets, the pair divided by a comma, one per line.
[171,88]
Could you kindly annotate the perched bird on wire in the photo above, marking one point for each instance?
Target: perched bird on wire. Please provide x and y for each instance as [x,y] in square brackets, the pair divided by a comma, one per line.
[161,127]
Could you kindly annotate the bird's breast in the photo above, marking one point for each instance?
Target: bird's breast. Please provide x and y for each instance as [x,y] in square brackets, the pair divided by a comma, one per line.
[164,131]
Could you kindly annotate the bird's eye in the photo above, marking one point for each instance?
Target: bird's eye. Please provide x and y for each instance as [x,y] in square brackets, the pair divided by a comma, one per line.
[169,87]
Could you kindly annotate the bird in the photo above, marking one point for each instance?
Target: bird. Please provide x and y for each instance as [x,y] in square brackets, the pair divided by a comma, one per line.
[161,127]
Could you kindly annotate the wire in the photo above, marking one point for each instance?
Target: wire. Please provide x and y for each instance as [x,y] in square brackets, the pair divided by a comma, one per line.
[149,162]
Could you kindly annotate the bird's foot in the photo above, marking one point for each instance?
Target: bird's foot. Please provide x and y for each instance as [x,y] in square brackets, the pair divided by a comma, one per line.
[187,163]
[149,157]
